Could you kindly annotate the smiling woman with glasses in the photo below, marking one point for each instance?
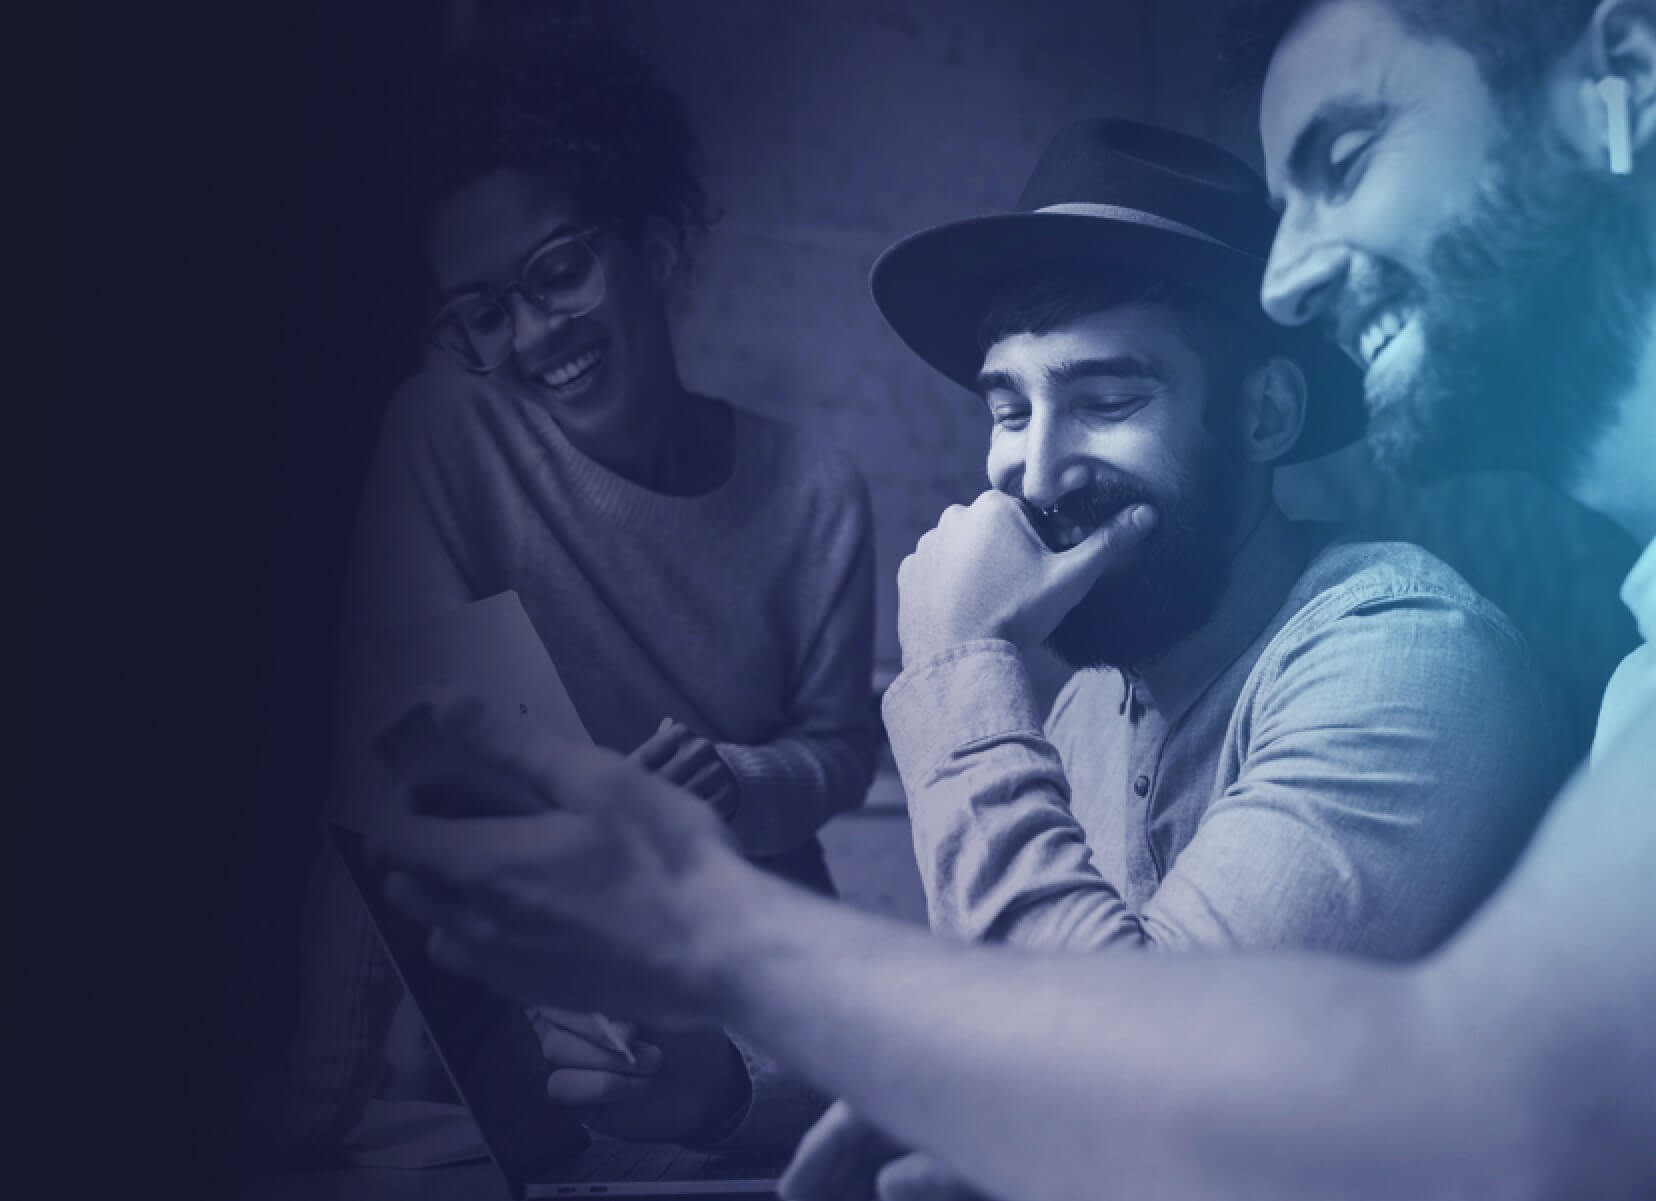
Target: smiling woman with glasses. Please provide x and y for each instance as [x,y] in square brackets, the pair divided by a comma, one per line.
[701,575]
[562,277]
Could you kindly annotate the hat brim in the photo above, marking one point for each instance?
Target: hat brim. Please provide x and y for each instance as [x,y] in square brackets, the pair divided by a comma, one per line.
[934,287]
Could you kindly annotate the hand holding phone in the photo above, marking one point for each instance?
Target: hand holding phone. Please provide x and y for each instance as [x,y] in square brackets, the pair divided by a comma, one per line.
[444,777]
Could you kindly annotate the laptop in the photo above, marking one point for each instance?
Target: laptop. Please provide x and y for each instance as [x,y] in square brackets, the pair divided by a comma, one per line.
[489,1048]
[488,1045]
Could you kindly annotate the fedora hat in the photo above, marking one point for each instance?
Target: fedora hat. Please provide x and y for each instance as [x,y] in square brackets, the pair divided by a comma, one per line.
[1113,193]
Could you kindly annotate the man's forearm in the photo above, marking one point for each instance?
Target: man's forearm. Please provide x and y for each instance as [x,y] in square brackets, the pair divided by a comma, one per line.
[1048,1076]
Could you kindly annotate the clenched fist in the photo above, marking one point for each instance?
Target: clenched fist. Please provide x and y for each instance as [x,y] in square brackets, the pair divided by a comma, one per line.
[984,573]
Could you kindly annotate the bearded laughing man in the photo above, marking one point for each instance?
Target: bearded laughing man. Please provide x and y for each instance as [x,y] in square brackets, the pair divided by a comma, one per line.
[1276,735]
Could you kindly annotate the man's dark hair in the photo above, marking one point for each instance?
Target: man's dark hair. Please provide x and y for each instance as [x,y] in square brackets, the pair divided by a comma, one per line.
[1228,342]
[568,99]
[1512,41]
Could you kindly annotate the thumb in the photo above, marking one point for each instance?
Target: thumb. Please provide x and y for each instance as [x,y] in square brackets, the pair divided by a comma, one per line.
[919,1177]
[840,1157]
[1102,550]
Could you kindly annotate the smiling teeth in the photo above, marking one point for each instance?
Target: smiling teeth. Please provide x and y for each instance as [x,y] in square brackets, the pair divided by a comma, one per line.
[1379,333]
[1069,536]
[573,368]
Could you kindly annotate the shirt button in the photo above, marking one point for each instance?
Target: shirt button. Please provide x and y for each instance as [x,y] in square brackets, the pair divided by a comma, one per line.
[1142,785]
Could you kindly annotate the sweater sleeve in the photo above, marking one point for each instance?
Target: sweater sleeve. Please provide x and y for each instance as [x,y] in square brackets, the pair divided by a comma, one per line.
[780,1108]
[822,762]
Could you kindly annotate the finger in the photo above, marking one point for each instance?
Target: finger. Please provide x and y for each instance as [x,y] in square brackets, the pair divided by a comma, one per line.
[689,759]
[580,778]
[679,767]
[482,738]
[443,716]
[419,902]
[452,955]
[919,1177]
[582,1022]
[709,782]
[401,742]
[1003,504]
[580,1087]
[433,710]
[451,754]
[1016,517]
[467,863]
[839,1157]
[429,908]
[426,850]
[565,1049]
[452,779]
[659,747]
[1103,549]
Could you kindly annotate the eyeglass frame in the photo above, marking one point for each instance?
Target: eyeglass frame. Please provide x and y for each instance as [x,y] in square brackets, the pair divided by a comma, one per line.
[499,296]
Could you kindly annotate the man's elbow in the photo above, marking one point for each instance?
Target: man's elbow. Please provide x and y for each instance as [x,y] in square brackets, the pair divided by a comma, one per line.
[1073,924]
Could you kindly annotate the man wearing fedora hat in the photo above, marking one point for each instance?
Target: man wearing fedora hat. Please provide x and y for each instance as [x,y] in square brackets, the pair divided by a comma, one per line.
[1276,735]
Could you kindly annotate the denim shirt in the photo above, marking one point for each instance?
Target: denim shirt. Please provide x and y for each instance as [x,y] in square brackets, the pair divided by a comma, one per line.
[1347,756]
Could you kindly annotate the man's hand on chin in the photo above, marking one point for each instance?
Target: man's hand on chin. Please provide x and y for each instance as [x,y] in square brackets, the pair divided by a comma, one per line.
[615,897]
[984,573]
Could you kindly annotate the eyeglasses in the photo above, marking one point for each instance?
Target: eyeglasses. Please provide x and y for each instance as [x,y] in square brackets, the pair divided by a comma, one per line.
[563,277]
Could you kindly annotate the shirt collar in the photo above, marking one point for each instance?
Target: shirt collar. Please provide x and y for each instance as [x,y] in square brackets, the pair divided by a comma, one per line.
[1639,592]
[1262,573]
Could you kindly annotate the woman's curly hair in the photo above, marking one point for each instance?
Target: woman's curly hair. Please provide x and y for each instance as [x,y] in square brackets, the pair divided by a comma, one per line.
[568,99]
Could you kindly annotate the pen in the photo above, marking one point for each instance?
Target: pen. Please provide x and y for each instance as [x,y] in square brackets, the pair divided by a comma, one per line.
[609,1031]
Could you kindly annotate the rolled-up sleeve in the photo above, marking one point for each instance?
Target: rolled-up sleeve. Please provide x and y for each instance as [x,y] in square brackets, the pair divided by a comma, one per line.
[988,798]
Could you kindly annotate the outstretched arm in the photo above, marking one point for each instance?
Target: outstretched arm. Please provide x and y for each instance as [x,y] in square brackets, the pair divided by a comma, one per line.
[1516,1059]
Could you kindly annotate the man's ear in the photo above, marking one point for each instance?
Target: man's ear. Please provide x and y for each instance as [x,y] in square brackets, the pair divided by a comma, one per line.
[1272,413]
[663,253]
[1609,86]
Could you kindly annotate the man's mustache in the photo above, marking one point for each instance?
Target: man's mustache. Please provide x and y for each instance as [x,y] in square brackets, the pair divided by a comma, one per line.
[1085,509]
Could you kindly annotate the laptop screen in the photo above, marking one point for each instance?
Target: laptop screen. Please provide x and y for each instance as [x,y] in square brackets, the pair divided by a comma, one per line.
[488,1044]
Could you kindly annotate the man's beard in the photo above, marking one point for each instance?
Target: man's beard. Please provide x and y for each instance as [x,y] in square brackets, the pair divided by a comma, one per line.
[1174,582]
[1533,323]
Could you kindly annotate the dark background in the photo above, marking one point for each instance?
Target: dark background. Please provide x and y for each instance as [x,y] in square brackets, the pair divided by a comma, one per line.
[830,129]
